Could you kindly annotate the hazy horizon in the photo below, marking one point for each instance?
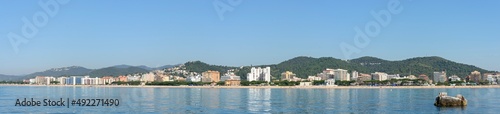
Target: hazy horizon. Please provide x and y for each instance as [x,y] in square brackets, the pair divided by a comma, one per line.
[97,34]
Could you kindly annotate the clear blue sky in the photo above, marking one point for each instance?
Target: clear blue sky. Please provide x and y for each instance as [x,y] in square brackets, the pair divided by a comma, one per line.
[102,33]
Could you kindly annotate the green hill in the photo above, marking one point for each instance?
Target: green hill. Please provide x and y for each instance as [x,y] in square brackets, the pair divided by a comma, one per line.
[307,66]
[199,67]
[64,71]
[419,65]
[114,71]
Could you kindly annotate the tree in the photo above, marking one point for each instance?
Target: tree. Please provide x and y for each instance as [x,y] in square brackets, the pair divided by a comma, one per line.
[221,83]
[54,82]
[318,82]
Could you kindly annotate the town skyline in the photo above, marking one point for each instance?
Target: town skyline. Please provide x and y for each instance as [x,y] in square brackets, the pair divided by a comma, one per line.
[96,34]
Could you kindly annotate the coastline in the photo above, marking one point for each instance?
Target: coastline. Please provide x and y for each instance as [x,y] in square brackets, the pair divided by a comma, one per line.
[265,87]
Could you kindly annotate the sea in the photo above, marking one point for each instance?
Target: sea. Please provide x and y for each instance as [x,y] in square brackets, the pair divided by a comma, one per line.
[240,100]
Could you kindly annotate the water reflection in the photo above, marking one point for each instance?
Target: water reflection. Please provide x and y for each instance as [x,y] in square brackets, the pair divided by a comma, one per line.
[252,100]
[259,100]
[210,98]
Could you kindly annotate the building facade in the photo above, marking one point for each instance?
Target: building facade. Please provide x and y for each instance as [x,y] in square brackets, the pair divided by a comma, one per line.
[380,76]
[439,77]
[423,77]
[454,78]
[148,77]
[224,78]
[354,75]
[287,75]
[74,80]
[210,76]
[259,74]
[475,76]
[196,78]
[341,74]
[313,78]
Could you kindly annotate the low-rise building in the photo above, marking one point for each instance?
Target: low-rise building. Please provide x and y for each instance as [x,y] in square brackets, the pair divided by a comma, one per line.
[196,78]
[492,78]
[123,78]
[108,79]
[287,75]
[330,82]
[393,76]
[313,78]
[231,82]
[412,77]
[306,83]
[33,81]
[134,78]
[380,76]
[423,77]
[454,78]
[224,78]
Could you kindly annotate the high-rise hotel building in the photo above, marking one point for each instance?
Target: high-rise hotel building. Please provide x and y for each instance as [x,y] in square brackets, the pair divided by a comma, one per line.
[259,74]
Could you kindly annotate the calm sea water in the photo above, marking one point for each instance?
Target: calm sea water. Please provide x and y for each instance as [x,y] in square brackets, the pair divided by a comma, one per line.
[194,100]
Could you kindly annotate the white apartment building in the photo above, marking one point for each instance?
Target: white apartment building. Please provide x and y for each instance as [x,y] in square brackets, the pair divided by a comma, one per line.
[393,76]
[330,82]
[493,78]
[61,80]
[134,78]
[49,79]
[341,74]
[454,78]
[440,77]
[380,76]
[354,75]
[149,77]
[259,74]
[313,78]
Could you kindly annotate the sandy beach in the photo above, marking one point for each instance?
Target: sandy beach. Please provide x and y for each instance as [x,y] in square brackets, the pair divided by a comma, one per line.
[277,87]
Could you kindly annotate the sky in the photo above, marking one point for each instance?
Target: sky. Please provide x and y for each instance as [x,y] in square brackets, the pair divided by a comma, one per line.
[102,33]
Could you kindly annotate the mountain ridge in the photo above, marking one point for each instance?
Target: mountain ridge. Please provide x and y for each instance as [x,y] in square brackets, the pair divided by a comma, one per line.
[144,66]
[303,66]
[79,70]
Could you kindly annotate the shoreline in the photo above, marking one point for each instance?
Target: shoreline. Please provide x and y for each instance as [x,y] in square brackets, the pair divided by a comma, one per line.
[264,87]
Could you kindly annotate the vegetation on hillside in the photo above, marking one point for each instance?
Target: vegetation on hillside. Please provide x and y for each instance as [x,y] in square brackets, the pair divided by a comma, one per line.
[113,71]
[421,65]
[199,67]
[309,66]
